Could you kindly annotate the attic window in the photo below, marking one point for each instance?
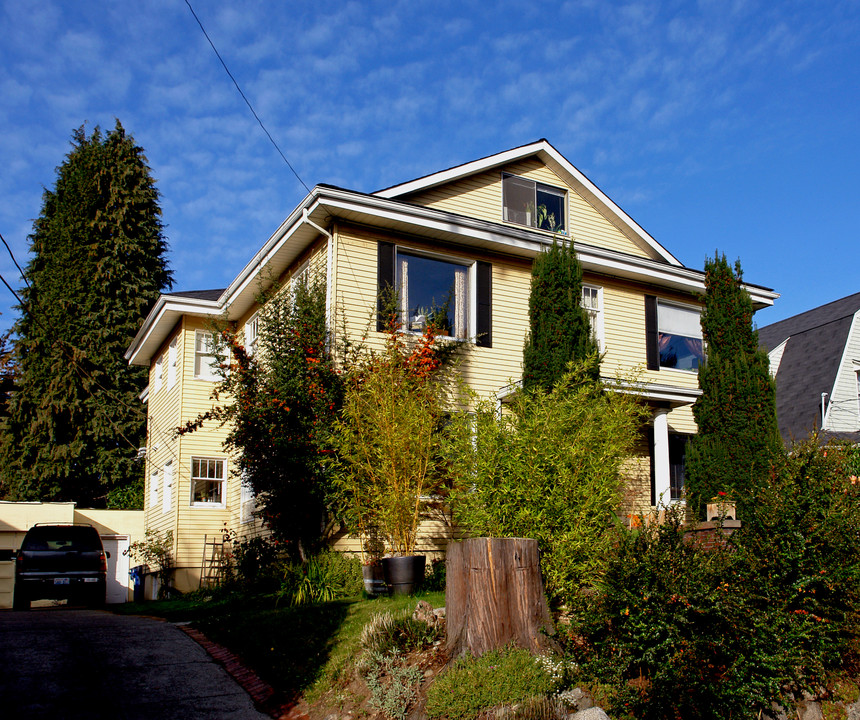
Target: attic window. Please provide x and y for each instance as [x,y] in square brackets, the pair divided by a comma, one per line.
[530,203]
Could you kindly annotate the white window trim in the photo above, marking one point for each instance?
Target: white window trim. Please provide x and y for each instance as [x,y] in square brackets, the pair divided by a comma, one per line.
[247,503]
[471,283]
[251,339]
[153,489]
[172,362]
[561,190]
[212,374]
[157,378]
[600,329]
[167,490]
[696,308]
[223,481]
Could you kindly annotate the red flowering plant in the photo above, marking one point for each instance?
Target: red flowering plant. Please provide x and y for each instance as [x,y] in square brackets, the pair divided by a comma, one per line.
[388,439]
[279,403]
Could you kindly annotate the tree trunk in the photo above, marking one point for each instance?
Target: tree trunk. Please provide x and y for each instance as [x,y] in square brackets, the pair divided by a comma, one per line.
[494,596]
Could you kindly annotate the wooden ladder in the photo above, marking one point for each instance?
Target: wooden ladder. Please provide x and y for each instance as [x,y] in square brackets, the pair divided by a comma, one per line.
[214,562]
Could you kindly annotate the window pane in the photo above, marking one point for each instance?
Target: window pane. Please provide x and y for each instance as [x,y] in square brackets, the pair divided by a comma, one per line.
[550,209]
[433,290]
[677,351]
[518,199]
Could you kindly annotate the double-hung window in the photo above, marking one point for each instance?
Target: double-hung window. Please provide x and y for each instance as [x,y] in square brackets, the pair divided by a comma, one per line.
[533,204]
[679,336]
[431,289]
[205,360]
[207,481]
[592,303]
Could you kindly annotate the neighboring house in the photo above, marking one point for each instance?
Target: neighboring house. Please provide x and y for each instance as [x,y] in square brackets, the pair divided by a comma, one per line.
[815,358]
[474,230]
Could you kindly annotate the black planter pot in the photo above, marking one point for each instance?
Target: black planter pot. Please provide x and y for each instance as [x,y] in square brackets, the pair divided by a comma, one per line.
[374,580]
[403,575]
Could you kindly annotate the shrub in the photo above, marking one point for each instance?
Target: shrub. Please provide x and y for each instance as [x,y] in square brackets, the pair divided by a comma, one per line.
[324,577]
[684,632]
[549,470]
[388,632]
[500,677]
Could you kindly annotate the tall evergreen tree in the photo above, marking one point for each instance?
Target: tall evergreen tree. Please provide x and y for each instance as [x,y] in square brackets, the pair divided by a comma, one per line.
[98,262]
[559,330]
[738,437]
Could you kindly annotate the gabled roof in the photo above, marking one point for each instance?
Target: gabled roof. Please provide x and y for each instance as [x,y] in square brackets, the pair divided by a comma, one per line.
[556,162]
[814,345]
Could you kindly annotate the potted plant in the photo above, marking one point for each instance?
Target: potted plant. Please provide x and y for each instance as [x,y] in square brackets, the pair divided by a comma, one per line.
[721,507]
[387,447]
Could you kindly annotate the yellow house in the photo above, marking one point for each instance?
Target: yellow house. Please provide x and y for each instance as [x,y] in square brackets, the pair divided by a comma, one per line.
[476,228]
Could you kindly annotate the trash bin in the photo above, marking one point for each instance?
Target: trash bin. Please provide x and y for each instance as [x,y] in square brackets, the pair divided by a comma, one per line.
[136,574]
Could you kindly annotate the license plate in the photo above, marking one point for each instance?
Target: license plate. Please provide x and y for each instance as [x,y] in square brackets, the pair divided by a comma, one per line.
[91,580]
[61,581]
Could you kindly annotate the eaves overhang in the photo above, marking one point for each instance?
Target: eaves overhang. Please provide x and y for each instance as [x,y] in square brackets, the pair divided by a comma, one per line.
[167,311]
[667,395]
[553,159]
[326,204]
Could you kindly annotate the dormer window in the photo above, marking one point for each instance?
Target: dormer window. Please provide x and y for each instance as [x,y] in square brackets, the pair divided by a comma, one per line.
[533,204]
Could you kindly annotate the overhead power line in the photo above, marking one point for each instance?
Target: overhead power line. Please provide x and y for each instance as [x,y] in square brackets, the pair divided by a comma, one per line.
[244,97]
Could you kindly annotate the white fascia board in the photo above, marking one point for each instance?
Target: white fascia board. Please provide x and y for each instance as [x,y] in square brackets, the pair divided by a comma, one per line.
[547,153]
[167,311]
[527,243]
[275,242]
[655,392]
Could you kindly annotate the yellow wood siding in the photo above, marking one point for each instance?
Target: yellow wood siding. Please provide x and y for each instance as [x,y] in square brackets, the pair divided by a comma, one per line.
[480,196]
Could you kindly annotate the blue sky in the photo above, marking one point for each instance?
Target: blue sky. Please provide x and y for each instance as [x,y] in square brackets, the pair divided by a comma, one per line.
[730,125]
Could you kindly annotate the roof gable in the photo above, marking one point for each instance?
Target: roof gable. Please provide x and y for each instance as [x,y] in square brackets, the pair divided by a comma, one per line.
[475,189]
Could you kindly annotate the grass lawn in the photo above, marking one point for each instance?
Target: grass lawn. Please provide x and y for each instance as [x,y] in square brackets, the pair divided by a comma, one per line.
[301,650]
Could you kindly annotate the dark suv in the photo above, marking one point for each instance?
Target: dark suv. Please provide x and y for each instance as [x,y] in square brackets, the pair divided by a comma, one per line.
[60,562]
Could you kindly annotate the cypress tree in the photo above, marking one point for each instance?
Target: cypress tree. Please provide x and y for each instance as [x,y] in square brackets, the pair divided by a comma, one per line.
[738,437]
[98,262]
[559,330]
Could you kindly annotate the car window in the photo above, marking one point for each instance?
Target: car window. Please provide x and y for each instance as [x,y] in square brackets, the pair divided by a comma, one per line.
[78,539]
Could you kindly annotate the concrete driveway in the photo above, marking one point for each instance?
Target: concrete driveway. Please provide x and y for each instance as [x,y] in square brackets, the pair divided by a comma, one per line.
[70,663]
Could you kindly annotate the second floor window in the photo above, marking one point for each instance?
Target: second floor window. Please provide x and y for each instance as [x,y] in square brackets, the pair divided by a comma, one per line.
[205,361]
[207,481]
[431,289]
[531,203]
[679,337]
[252,328]
[592,303]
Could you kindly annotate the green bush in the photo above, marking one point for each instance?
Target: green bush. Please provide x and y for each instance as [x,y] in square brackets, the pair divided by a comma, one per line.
[324,577]
[680,631]
[500,677]
[550,470]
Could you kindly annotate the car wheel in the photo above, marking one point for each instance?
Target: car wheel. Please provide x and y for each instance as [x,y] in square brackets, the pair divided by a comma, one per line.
[20,600]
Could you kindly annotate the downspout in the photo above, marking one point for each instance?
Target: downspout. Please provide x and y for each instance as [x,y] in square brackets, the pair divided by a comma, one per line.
[329,260]
[823,408]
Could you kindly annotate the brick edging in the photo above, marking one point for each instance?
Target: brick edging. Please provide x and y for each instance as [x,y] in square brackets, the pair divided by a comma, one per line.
[263,695]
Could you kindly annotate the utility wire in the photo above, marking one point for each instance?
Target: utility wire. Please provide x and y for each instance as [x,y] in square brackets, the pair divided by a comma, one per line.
[247,102]
[12,255]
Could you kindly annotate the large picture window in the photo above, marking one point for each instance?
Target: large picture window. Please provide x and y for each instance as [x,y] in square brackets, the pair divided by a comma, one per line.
[530,203]
[679,337]
[431,289]
[207,481]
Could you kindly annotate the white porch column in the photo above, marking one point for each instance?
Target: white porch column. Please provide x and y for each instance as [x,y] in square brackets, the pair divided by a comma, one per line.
[662,491]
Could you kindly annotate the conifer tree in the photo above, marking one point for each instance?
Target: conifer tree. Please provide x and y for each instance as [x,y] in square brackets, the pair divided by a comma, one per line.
[98,262]
[559,330]
[738,436]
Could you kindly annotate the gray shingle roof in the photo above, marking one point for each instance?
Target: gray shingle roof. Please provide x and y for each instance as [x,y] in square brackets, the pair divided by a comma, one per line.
[199,294]
[810,362]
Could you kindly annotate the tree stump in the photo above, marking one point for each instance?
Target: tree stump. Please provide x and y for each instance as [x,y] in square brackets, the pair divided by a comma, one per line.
[494,596]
